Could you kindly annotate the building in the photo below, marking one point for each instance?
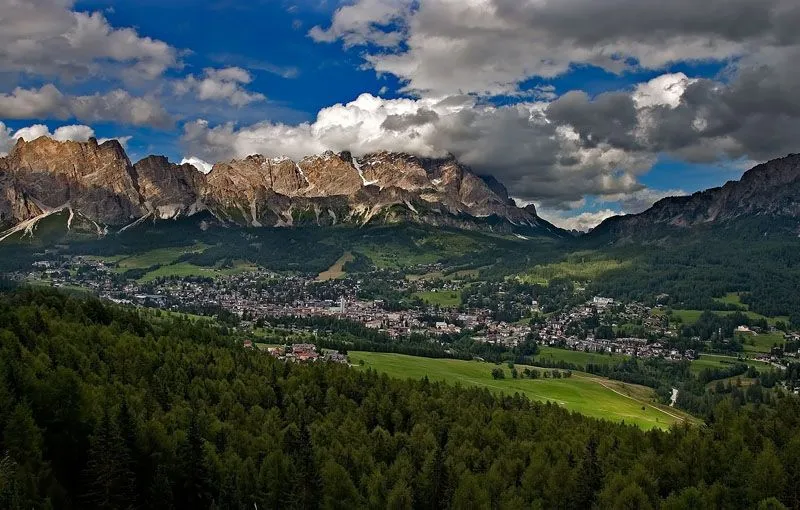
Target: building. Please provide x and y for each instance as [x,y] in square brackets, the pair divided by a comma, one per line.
[602,302]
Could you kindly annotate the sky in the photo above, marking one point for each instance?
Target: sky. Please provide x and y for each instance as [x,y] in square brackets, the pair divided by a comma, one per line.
[585,108]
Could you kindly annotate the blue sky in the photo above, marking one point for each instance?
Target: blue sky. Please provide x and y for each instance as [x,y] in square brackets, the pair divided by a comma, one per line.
[493,80]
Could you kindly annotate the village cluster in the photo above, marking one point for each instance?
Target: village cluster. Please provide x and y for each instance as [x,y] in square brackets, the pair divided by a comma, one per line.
[260,294]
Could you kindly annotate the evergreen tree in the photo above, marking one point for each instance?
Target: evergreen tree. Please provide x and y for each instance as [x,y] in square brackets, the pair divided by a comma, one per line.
[110,482]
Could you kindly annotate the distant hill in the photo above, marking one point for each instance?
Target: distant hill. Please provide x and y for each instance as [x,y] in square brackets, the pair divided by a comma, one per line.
[766,200]
[99,182]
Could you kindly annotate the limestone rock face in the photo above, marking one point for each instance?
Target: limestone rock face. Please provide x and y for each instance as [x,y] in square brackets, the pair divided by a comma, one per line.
[97,179]
[167,189]
[404,171]
[99,182]
[15,205]
[330,174]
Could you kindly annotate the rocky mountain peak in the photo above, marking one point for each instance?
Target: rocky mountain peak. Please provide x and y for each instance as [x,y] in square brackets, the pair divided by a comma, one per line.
[99,181]
[96,178]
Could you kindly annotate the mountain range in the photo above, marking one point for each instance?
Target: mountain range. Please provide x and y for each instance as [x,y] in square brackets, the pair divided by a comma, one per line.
[99,182]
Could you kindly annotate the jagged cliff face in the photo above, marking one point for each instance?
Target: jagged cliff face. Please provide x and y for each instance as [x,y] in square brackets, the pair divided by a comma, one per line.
[96,179]
[769,190]
[99,181]
[168,190]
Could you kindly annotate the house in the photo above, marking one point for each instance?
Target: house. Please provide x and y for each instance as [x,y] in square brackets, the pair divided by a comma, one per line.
[336,357]
[248,344]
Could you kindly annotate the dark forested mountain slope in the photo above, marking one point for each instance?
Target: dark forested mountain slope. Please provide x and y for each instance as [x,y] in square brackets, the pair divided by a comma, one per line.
[103,407]
[768,196]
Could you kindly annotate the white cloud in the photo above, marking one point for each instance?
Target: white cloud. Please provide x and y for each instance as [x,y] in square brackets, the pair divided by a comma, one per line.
[490,46]
[517,144]
[45,102]
[6,140]
[581,222]
[48,102]
[377,22]
[220,85]
[198,163]
[664,90]
[626,203]
[638,201]
[63,133]
[49,38]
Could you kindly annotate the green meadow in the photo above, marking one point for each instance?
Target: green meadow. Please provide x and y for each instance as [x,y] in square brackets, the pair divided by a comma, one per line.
[554,354]
[722,361]
[337,269]
[731,298]
[583,393]
[444,298]
[151,258]
[580,266]
[184,269]
[761,343]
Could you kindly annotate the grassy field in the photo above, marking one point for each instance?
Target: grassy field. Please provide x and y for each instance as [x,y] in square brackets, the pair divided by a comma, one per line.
[555,354]
[433,275]
[722,361]
[427,249]
[687,316]
[150,258]
[444,298]
[186,269]
[761,343]
[579,266]
[166,258]
[583,393]
[337,269]
[731,298]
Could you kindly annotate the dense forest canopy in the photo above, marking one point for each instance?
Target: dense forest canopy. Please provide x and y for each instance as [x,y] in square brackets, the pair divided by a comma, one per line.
[108,407]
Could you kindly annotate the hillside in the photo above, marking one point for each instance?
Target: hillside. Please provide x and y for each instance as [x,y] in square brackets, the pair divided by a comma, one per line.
[767,197]
[131,409]
[99,182]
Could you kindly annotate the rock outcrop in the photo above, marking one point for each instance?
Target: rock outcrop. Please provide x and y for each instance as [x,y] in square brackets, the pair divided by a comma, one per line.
[99,181]
[169,190]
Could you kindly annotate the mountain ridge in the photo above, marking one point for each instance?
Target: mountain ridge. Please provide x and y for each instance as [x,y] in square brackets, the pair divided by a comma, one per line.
[769,190]
[100,182]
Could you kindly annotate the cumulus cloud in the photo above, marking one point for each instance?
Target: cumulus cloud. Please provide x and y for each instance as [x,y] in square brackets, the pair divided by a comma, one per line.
[556,150]
[534,157]
[582,222]
[198,163]
[378,22]
[49,38]
[220,85]
[490,46]
[48,102]
[638,201]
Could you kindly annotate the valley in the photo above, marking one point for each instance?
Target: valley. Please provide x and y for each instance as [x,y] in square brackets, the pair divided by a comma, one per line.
[399,254]
[647,333]
[620,324]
